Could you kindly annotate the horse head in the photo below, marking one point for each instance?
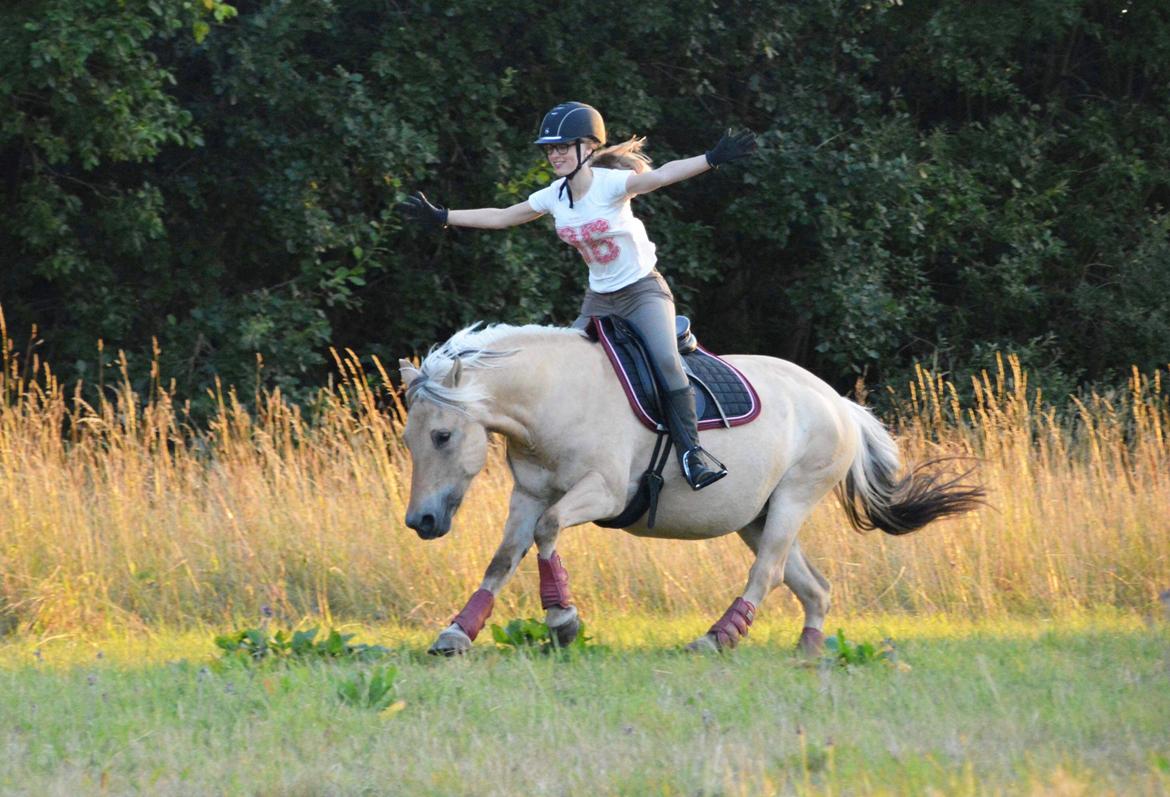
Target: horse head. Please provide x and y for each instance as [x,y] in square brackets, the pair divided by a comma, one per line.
[448,447]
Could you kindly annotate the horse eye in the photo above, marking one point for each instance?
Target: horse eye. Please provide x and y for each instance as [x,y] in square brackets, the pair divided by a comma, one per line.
[440,437]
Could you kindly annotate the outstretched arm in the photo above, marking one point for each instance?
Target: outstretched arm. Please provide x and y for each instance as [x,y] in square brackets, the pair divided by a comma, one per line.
[667,174]
[494,218]
[728,149]
[417,208]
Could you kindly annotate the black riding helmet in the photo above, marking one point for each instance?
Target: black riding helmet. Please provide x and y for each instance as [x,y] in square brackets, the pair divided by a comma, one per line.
[572,121]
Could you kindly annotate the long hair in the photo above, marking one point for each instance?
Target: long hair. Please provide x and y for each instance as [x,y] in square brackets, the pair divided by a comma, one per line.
[626,155]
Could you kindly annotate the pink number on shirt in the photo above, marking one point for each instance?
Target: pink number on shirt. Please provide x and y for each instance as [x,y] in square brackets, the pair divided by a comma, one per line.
[585,239]
[604,249]
[570,236]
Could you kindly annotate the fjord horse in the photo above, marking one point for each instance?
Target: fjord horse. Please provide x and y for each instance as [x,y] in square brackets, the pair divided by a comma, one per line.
[577,453]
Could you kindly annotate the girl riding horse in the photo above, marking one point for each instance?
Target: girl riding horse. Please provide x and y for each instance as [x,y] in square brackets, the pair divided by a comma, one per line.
[590,202]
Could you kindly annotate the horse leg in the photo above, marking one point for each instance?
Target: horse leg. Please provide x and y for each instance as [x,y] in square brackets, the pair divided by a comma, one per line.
[586,500]
[806,582]
[812,590]
[787,509]
[523,511]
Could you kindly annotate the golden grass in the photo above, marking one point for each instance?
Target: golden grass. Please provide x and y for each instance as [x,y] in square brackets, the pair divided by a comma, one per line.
[122,513]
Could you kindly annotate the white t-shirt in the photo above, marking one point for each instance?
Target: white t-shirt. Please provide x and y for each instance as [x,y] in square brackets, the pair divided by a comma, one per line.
[602,227]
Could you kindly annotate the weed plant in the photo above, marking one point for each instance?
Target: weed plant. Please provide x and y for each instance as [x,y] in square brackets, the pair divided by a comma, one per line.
[841,651]
[372,690]
[530,634]
[256,644]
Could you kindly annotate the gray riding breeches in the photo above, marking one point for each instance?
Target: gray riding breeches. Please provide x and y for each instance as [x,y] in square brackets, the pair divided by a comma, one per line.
[649,305]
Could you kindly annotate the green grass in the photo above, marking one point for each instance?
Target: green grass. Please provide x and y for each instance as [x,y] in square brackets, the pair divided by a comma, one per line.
[1076,706]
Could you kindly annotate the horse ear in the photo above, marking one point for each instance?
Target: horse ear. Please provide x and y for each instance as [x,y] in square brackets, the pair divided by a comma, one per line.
[454,375]
[409,371]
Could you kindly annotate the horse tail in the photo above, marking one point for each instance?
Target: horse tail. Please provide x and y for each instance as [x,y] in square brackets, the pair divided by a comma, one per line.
[875,498]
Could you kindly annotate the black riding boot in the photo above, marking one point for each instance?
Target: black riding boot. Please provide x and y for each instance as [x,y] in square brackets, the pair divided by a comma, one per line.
[698,466]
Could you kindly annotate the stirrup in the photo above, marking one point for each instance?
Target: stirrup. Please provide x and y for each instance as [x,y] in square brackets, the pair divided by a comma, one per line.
[701,469]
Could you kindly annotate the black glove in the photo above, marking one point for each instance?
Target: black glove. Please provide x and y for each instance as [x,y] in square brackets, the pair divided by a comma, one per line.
[419,210]
[731,147]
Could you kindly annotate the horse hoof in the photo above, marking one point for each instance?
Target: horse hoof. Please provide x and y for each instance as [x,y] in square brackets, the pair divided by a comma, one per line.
[563,625]
[452,642]
[704,644]
[812,642]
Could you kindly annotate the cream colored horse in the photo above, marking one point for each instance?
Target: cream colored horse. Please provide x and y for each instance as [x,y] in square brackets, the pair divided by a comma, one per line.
[577,453]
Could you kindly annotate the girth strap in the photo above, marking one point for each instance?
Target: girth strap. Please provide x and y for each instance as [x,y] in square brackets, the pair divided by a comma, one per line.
[646,497]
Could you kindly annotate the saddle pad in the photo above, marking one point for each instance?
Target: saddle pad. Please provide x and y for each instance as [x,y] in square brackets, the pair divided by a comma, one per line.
[723,396]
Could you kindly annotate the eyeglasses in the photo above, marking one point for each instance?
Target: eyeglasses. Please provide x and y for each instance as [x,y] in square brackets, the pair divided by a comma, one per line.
[559,149]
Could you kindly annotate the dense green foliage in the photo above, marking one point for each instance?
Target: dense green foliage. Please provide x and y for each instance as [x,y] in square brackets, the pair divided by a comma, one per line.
[937,180]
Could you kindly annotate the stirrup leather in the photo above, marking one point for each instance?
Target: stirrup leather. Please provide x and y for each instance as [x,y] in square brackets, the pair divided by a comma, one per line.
[701,469]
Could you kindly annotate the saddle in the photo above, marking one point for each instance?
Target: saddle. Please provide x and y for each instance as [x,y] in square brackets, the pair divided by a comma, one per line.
[723,398]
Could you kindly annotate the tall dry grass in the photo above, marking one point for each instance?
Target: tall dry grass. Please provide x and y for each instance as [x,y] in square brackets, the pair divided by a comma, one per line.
[123,512]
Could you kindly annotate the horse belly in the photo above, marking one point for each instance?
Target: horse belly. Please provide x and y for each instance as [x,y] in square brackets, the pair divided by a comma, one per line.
[664,532]
[684,514]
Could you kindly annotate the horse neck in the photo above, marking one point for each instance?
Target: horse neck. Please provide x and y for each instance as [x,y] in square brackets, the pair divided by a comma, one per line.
[524,388]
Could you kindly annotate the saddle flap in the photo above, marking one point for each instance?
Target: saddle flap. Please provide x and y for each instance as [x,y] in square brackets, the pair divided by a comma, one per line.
[723,396]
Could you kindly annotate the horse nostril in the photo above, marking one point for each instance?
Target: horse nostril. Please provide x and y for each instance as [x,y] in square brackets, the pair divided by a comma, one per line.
[426,526]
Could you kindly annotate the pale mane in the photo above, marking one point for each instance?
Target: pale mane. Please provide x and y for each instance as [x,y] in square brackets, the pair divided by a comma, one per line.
[475,347]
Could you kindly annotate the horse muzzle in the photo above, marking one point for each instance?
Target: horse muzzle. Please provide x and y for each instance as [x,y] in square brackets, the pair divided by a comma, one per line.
[433,521]
[428,526]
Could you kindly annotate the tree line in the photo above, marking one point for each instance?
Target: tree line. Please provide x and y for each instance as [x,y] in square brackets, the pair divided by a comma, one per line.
[936,181]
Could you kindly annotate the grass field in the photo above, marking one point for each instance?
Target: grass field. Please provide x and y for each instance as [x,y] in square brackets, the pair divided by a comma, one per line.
[1077,706]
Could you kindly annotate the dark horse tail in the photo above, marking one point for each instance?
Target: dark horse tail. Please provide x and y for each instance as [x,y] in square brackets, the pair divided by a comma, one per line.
[875,498]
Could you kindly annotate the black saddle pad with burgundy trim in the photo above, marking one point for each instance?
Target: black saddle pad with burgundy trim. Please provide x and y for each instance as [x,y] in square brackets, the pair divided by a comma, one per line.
[723,396]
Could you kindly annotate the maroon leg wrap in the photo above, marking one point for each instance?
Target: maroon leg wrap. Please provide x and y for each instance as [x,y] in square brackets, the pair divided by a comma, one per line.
[812,640]
[554,582]
[475,613]
[734,623]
